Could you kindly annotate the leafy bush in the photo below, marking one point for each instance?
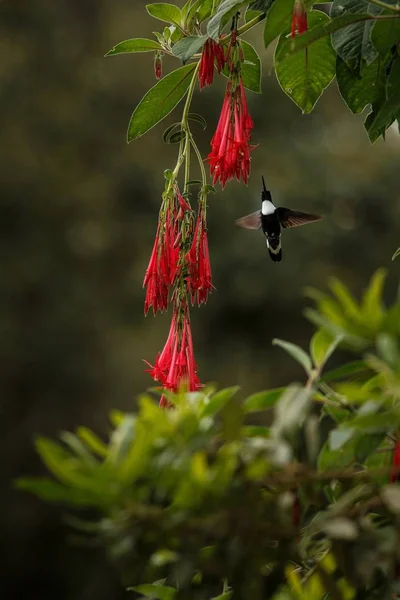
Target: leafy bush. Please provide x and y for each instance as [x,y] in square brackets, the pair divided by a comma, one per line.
[290,493]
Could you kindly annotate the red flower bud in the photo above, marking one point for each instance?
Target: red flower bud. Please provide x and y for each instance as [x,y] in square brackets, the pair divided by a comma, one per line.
[299,18]
[158,65]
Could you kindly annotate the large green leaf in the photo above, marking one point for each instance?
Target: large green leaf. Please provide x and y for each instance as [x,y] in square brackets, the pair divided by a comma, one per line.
[390,109]
[250,69]
[279,18]
[299,42]
[353,43]
[185,48]
[134,45]
[358,92]
[159,101]
[385,34]
[304,76]
[165,12]
[225,9]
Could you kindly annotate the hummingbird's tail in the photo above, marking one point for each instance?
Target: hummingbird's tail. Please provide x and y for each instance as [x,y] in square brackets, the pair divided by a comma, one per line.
[265,194]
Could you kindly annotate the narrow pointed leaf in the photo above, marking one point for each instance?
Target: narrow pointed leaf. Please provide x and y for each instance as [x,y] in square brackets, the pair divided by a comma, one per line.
[295,352]
[159,101]
[134,45]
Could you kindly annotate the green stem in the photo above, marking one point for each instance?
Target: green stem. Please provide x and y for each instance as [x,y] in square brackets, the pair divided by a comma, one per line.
[201,163]
[394,8]
[247,26]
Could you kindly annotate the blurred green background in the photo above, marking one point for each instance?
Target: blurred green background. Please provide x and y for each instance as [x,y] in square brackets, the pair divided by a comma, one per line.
[78,215]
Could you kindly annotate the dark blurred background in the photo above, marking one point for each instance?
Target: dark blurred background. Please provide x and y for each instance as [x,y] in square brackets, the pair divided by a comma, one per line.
[78,215]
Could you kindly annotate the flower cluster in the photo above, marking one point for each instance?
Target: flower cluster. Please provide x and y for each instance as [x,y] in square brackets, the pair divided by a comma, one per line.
[213,53]
[180,261]
[175,364]
[299,18]
[198,262]
[163,267]
[230,145]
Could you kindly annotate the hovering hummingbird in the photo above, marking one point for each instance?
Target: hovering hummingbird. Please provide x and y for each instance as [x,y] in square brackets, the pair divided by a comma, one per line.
[271,218]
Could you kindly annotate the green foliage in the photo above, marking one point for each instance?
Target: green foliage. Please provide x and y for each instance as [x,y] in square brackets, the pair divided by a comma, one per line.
[358,36]
[160,101]
[305,74]
[203,493]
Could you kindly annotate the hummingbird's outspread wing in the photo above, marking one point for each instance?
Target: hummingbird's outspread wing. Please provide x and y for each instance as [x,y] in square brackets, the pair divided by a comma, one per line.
[292,218]
[252,221]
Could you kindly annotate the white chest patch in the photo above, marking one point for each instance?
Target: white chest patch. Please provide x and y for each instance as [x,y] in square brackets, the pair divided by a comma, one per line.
[267,208]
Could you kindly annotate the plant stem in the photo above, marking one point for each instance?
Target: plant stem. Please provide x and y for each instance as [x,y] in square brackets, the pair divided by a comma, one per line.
[392,7]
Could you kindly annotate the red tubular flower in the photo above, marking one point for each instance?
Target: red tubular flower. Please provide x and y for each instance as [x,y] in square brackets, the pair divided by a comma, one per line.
[163,265]
[198,261]
[176,364]
[394,475]
[299,18]
[212,53]
[158,65]
[230,145]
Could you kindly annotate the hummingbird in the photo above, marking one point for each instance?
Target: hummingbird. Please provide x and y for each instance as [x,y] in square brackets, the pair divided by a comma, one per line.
[271,218]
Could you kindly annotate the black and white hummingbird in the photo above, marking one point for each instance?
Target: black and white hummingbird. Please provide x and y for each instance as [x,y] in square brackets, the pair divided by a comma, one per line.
[271,218]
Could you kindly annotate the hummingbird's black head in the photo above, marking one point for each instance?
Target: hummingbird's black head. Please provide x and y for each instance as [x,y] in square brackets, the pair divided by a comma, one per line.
[265,194]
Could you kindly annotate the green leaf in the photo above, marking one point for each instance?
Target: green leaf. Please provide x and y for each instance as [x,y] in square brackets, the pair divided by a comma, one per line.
[51,491]
[352,368]
[322,346]
[367,444]
[349,305]
[390,109]
[353,43]
[295,352]
[198,119]
[251,68]
[218,401]
[262,400]
[226,8]
[372,301]
[375,422]
[159,101]
[251,14]
[279,17]
[134,45]
[339,437]
[396,254]
[186,47]
[78,448]
[359,91]
[168,13]
[299,42]
[336,459]
[158,592]
[200,10]
[92,441]
[385,34]
[304,75]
